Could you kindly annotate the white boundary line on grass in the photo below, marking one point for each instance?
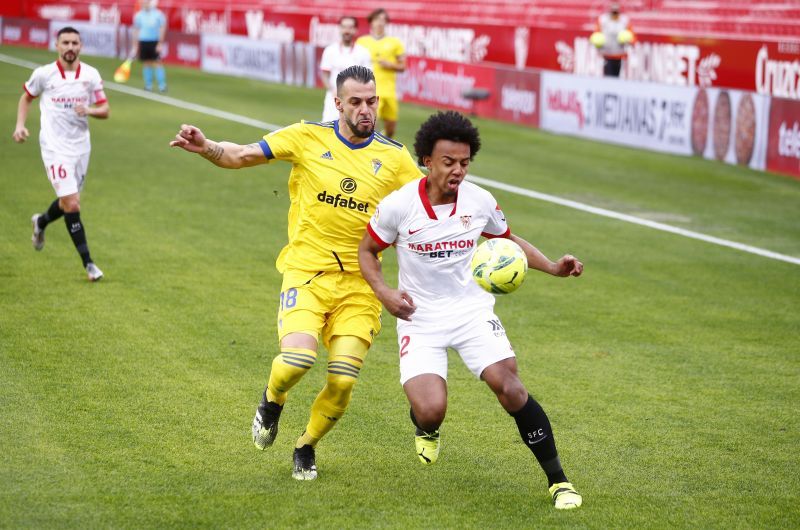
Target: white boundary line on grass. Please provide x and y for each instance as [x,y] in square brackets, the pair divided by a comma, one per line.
[635,220]
[238,118]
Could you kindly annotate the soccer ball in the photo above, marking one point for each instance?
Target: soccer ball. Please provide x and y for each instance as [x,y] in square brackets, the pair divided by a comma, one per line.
[499,266]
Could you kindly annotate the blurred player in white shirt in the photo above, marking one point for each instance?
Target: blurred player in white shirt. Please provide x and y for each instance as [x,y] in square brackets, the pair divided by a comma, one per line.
[435,224]
[335,58]
[70,92]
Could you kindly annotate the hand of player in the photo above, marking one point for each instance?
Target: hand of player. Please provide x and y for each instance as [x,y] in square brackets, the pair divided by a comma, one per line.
[399,304]
[189,138]
[386,64]
[81,110]
[159,48]
[568,265]
[21,134]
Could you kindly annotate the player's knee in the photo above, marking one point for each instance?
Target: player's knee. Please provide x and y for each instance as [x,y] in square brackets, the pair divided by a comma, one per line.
[341,383]
[339,389]
[70,203]
[430,415]
[512,394]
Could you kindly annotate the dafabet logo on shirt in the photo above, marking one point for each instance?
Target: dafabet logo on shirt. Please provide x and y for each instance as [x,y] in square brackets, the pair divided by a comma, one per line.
[337,201]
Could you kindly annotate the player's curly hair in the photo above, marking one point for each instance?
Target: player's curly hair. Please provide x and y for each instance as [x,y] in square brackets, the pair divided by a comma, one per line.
[448,125]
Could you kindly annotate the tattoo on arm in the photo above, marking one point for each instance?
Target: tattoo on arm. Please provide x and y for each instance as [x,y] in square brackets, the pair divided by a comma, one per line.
[213,152]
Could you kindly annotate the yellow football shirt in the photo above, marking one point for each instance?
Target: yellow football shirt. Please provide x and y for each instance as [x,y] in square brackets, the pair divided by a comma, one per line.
[388,48]
[334,187]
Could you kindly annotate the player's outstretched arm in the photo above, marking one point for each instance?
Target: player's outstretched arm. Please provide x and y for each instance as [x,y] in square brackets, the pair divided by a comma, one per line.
[398,303]
[20,131]
[222,154]
[567,265]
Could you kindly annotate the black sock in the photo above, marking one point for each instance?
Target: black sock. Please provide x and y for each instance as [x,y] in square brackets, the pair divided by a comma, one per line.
[269,409]
[52,214]
[534,427]
[78,235]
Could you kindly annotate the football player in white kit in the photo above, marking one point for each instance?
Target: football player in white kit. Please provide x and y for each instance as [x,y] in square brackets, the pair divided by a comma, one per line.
[435,223]
[70,91]
[335,58]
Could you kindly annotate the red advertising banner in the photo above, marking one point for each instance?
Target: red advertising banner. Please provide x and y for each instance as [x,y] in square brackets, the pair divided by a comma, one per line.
[26,32]
[766,66]
[517,96]
[783,148]
[183,49]
[445,84]
[487,91]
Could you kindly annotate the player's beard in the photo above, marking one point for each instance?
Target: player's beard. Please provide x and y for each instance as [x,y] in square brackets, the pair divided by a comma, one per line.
[358,132]
[69,57]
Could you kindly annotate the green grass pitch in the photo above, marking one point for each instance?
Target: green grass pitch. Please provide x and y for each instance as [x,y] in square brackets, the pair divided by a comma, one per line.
[670,370]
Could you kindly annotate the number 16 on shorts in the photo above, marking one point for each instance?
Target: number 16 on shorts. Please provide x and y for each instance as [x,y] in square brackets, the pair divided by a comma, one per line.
[65,173]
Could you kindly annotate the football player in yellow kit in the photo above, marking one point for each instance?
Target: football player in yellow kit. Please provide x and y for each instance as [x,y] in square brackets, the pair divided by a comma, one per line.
[388,58]
[340,171]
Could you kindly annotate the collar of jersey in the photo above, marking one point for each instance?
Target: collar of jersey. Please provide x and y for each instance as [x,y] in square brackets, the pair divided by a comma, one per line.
[63,72]
[426,201]
[346,142]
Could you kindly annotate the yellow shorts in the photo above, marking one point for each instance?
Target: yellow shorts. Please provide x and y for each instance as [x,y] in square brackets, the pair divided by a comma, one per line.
[328,304]
[387,108]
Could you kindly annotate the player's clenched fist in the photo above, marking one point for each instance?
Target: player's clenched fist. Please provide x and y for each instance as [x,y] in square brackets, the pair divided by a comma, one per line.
[189,138]
[20,134]
[569,265]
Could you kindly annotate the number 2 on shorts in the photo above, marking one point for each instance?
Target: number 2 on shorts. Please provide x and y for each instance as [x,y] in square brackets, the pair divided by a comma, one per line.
[404,344]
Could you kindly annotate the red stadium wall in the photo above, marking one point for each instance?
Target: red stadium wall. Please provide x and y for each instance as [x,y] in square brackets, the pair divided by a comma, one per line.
[783,145]
[766,65]
[449,60]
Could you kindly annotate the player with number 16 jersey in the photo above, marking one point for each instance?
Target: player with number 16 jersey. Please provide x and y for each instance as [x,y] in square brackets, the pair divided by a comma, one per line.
[70,92]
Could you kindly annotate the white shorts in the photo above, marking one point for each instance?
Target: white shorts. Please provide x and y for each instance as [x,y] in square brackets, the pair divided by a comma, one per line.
[479,339]
[329,110]
[65,172]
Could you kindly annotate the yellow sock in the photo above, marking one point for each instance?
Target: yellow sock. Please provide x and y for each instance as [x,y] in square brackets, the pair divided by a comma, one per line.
[306,439]
[346,358]
[288,368]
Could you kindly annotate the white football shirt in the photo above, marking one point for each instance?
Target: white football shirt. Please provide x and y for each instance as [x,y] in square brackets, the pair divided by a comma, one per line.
[336,58]
[62,130]
[435,245]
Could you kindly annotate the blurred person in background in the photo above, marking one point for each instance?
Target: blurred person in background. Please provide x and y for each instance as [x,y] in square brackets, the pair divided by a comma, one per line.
[335,58]
[612,34]
[388,58]
[149,34]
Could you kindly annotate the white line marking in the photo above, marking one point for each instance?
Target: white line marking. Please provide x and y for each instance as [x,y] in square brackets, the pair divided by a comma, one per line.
[632,219]
[202,109]
[238,118]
